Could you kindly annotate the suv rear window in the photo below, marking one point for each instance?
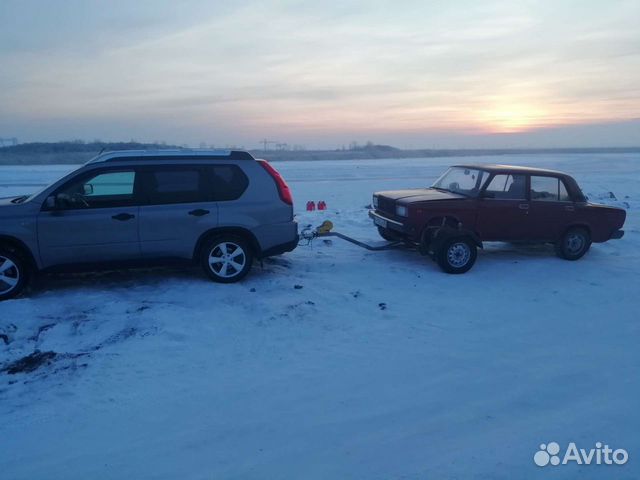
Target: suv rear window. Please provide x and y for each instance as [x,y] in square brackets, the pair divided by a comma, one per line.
[176,185]
[228,181]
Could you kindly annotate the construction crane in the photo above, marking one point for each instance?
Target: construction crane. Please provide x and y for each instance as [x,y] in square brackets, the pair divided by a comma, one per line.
[266,143]
[8,142]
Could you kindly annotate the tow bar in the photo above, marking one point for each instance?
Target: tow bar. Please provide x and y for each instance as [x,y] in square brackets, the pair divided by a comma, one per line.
[309,234]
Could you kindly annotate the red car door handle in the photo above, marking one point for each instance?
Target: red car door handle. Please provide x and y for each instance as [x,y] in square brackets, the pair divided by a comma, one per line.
[523,206]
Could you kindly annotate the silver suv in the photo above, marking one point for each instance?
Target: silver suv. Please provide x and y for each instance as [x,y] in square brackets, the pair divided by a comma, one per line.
[219,208]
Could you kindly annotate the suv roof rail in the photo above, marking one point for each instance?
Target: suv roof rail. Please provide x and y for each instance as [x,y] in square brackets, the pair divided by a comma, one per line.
[170,154]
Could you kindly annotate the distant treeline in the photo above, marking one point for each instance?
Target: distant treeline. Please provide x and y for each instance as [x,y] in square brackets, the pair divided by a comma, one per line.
[374,152]
[76,152]
[41,153]
[76,146]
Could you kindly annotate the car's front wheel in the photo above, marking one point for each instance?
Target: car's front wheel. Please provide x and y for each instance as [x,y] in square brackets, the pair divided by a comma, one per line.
[13,274]
[574,243]
[457,255]
[226,258]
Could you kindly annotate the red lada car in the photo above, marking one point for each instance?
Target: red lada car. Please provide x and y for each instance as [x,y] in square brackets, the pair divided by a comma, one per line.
[471,204]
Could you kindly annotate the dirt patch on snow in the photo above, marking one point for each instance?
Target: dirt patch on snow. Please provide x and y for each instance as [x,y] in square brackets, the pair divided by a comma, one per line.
[30,362]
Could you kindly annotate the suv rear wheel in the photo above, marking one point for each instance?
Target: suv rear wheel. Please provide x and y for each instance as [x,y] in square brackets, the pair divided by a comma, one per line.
[226,258]
[574,243]
[457,255]
[13,274]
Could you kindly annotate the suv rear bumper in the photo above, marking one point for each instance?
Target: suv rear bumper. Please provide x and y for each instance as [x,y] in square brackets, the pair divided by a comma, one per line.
[282,248]
[617,234]
[277,238]
[385,222]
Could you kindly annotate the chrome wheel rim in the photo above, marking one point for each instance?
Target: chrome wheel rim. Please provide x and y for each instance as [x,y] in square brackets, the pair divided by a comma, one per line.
[9,275]
[575,242]
[227,259]
[458,254]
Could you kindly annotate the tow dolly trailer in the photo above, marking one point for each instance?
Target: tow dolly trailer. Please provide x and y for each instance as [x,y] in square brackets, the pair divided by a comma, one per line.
[440,241]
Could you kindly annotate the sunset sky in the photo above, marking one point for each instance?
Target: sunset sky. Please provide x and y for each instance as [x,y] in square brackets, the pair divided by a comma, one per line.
[321,74]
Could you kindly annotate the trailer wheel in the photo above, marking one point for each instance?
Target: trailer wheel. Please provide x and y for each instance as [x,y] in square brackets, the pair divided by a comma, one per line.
[457,254]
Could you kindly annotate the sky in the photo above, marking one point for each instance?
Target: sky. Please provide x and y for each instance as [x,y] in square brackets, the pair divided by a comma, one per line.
[413,74]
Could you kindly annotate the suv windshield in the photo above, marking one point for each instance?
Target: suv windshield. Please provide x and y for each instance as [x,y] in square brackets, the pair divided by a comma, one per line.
[465,181]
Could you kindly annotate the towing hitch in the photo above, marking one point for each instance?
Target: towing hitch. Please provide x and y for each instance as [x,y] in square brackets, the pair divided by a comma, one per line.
[324,230]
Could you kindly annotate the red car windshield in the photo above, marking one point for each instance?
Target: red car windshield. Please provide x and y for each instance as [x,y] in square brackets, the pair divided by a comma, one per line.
[464,181]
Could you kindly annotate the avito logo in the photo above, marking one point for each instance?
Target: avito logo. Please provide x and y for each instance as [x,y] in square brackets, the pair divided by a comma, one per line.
[549,454]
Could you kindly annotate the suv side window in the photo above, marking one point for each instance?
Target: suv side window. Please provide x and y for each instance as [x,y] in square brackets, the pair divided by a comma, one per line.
[166,185]
[228,181]
[102,190]
[507,187]
[548,189]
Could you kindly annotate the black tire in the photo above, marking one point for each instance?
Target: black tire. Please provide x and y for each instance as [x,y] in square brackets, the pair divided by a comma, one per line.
[574,243]
[232,257]
[457,254]
[14,274]
[388,235]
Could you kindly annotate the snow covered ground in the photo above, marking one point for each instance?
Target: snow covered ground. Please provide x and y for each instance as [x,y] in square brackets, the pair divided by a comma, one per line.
[333,362]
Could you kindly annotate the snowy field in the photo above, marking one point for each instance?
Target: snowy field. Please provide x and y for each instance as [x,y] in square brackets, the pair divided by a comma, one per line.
[333,362]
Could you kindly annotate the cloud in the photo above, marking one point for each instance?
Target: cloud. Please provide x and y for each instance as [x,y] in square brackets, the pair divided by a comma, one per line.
[295,68]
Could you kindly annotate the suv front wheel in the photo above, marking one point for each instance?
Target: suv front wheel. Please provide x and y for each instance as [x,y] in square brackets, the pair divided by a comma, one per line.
[226,258]
[13,274]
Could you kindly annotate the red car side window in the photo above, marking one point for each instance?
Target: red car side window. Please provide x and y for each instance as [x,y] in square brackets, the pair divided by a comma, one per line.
[548,189]
[507,187]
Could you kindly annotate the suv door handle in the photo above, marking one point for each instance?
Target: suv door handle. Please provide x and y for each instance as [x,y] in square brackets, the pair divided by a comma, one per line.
[569,208]
[523,206]
[123,217]
[199,212]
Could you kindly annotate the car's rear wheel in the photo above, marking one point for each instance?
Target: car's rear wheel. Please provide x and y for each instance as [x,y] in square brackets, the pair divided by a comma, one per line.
[574,243]
[457,255]
[226,258]
[13,274]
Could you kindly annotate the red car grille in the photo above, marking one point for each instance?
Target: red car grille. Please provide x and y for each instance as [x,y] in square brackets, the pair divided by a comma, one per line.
[386,205]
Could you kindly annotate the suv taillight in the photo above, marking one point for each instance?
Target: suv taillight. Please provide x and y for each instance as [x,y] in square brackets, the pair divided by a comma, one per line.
[283,188]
